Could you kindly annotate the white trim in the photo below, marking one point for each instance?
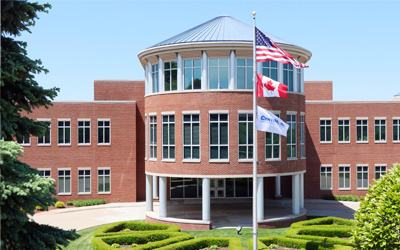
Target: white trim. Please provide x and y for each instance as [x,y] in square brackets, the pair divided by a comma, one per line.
[191,160]
[276,159]
[43,169]
[104,126]
[85,168]
[218,111]
[219,160]
[191,112]
[344,172]
[70,180]
[325,118]
[84,119]
[224,176]
[104,168]
[275,112]
[395,118]
[380,126]
[361,118]
[84,177]
[380,165]
[245,111]
[168,160]
[380,118]
[302,113]
[84,126]
[152,113]
[292,158]
[291,112]
[152,159]
[64,119]
[43,119]
[245,160]
[325,142]
[343,118]
[104,119]
[168,113]
[344,165]
[97,175]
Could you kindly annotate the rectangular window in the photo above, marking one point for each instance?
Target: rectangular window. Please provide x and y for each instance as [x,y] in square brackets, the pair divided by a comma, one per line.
[154,78]
[344,130]
[83,181]
[168,135]
[299,81]
[326,177]
[103,132]
[379,171]
[244,73]
[218,73]
[153,137]
[191,136]
[245,136]
[380,130]
[219,136]
[396,130]
[362,130]
[325,130]
[344,177]
[288,76]
[46,138]
[64,181]
[145,136]
[192,72]
[104,180]
[64,132]
[302,136]
[170,76]
[270,69]
[362,176]
[291,136]
[272,145]
[24,141]
[84,132]
[45,173]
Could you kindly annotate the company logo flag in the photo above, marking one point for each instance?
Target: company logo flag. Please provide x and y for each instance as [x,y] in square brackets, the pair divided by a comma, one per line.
[267,50]
[269,88]
[268,122]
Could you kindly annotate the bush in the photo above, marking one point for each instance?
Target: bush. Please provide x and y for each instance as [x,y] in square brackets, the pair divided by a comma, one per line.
[324,221]
[70,203]
[59,204]
[378,219]
[341,197]
[114,228]
[39,208]
[80,203]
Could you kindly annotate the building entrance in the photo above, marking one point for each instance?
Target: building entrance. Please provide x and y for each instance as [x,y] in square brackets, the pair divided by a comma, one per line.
[217,188]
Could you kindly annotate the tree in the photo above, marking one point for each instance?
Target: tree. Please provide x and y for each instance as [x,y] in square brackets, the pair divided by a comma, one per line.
[378,219]
[19,90]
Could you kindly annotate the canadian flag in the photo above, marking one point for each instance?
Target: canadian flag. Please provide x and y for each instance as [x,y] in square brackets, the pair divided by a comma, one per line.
[269,88]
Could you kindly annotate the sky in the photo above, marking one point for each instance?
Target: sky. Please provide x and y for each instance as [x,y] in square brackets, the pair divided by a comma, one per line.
[353,43]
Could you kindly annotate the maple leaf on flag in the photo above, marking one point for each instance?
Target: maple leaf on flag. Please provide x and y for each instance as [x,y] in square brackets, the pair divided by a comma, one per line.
[269,86]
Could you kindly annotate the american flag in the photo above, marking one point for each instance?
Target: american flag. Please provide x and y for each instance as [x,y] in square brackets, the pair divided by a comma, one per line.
[267,50]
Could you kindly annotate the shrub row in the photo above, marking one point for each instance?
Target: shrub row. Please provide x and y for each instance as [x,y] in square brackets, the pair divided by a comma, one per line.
[263,242]
[324,235]
[343,197]
[80,203]
[194,244]
[114,228]
[324,221]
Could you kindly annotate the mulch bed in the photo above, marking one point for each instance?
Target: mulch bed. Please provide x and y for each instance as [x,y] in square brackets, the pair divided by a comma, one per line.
[51,208]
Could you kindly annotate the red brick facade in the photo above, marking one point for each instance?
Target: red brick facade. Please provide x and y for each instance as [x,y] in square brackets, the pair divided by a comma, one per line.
[318,90]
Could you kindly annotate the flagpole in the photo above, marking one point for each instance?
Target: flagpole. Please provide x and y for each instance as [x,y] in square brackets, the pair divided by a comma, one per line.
[255,232]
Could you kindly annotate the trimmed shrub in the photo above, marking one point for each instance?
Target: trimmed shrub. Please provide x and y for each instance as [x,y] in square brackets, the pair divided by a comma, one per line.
[194,244]
[305,233]
[295,243]
[324,221]
[80,203]
[115,228]
[378,219]
[59,204]
[39,208]
[70,203]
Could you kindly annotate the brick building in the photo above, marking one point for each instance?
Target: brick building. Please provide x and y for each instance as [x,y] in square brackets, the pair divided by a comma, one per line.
[185,132]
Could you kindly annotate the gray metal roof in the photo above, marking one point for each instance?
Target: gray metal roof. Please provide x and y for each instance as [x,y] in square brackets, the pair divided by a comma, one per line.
[398,94]
[220,29]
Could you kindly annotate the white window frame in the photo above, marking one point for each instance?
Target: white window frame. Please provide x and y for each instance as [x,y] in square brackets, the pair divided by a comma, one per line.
[191,145]
[25,143]
[58,182]
[192,68]
[153,132]
[104,126]
[219,145]
[44,136]
[362,175]
[219,72]
[362,129]
[168,145]
[170,75]
[84,180]
[277,113]
[64,127]
[302,135]
[325,125]
[155,78]
[328,170]
[289,70]
[344,172]
[103,175]
[269,68]
[247,145]
[380,127]
[397,127]
[84,127]
[145,136]
[43,172]
[380,172]
[290,143]
[246,69]
[344,126]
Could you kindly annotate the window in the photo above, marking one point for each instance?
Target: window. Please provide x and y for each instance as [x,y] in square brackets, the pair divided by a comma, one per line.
[379,171]
[244,73]
[344,130]
[104,180]
[270,69]
[245,136]
[145,136]
[299,80]
[396,130]
[191,136]
[45,173]
[170,76]
[344,177]
[64,181]
[218,136]
[185,187]
[362,130]
[272,145]
[288,76]
[291,136]
[153,137]
[84,132]
[25,140]
[325,130]
[192,71]
[302,136]
[103,132]
[46,138]
[154,77]
[326,177]
[380,130]
[168,134]
[218,73]
[83,181]
[362,176]
[64,132]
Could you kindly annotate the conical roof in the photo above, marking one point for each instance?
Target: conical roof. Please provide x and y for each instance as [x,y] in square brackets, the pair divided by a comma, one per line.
[398,94]
[220,29]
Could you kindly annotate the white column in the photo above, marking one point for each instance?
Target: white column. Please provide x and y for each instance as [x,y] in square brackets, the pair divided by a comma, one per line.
[155,186]
[278,187]
[302,81]
[260,198]
[280,72]
[204,71]
[302,190]
[206,199]
[161,74]
[149,78]
[180,72]
[232,70]
[163,197]
[295,194]
[149,193]
[295,88]
[146,83]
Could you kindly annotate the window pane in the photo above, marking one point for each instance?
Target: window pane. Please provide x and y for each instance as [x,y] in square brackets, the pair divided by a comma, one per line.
[214,133]
[197,78]
[186,134]
[196,153]
[196,134]
[172,133]
[186,152]
[242,133]
[224,152]
[67,184]
[242,152]
[188,78]
[250,132]
[213,78]
[87,184]
[67,135]
[241,187]
[240,78]
[165,133]
[213,152]
[107,135]
[224,78]
[188,63]
[80,135]
[224,133]
[249,78]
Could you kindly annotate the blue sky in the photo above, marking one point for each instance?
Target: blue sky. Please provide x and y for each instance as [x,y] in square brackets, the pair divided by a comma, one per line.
[354,43]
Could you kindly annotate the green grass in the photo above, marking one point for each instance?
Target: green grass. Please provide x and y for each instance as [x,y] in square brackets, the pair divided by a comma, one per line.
[85,241]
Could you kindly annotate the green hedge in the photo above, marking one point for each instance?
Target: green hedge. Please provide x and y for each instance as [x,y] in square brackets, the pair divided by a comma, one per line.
[324,221]
[114,228]
[263,242]
[337,231]
[298,233]
[80,203]
[342,197]
[232,243]
[156,239]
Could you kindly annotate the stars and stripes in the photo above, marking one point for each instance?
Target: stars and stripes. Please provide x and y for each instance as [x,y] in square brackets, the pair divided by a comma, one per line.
[267,50]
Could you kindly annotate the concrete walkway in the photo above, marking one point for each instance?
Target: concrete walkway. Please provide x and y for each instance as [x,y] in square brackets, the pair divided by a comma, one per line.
[224,213]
